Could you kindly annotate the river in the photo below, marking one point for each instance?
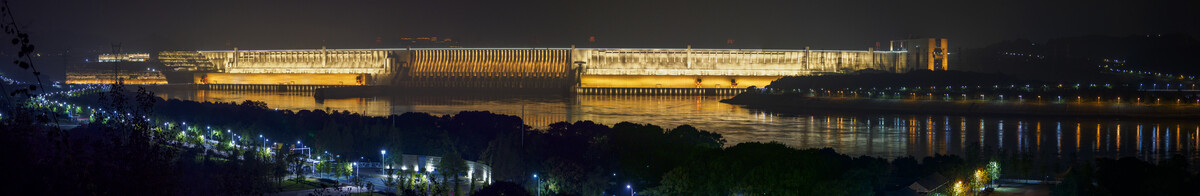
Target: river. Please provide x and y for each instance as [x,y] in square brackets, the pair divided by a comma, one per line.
[888,135]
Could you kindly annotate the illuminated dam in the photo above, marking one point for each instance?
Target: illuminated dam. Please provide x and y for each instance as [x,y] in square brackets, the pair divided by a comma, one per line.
[584,70]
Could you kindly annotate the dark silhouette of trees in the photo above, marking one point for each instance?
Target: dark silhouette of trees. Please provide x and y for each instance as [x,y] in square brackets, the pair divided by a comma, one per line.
[771,169]
[295,164]
[1130,176]
[502,189]
[450,167]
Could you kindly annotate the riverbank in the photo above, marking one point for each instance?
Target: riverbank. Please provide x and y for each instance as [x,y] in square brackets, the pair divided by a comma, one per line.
[988,107]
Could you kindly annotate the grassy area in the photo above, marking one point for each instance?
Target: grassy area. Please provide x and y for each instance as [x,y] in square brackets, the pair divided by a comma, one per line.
[292,185]
[1023,189]
[199,158]
[364,194]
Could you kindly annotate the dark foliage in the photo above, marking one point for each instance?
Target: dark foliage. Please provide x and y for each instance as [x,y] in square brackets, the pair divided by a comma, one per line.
[502,188]
[1130,176]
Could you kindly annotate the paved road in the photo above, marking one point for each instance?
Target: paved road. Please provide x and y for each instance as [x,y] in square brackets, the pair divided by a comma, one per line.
[373,175]
[330,191]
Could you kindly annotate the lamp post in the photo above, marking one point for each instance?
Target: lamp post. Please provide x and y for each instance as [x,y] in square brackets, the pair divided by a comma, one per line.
[539,185]
[382,155]
[627,186]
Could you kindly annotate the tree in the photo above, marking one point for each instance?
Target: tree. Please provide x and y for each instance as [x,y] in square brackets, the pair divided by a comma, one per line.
[475,177]
[279,167]
[1080,180]
[24,60]
[389,181]
[357,181]
[296,165]
[508,158]
[675,182]
[451,166]
[993,170]
[770,169]
[502,188]
[370,187]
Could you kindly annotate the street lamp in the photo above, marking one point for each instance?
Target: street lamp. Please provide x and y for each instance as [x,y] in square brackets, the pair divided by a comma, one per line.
[382,155]
[627,186]
[539,184]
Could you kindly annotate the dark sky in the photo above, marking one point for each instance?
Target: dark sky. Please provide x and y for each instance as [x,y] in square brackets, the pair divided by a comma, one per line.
[145,25]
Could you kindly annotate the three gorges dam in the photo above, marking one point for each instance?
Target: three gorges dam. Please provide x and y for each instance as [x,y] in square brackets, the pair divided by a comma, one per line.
[579,70]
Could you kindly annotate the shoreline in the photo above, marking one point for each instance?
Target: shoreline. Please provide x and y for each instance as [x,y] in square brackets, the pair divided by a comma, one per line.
[1003,108]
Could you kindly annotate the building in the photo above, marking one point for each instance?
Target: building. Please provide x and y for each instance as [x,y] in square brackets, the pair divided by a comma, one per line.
[929,183]
[134,68]
[133,57]
[933,53]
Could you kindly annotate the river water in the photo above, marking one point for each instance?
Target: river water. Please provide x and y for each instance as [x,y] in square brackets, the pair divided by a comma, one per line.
[886,135]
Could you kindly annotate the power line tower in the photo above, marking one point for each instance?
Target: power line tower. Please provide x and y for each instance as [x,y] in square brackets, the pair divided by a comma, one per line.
[116,49]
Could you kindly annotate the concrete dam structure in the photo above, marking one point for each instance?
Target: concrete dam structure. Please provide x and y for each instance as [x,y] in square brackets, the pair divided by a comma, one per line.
[585,70]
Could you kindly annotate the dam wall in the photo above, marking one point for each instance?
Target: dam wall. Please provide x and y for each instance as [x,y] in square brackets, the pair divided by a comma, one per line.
[548,68]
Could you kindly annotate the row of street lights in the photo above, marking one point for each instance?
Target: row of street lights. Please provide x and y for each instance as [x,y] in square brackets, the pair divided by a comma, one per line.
[183,128]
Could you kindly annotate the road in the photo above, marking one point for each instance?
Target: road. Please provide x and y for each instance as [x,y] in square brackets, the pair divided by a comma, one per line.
[375,177]
[330,191]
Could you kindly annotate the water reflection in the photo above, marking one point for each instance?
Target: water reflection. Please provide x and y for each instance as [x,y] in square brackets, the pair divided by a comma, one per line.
[884,135]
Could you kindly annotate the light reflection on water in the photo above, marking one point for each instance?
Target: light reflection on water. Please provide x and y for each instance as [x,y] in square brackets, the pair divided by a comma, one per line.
[855,133]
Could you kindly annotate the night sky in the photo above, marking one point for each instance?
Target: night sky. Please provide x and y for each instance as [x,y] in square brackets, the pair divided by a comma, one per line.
[149,25]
